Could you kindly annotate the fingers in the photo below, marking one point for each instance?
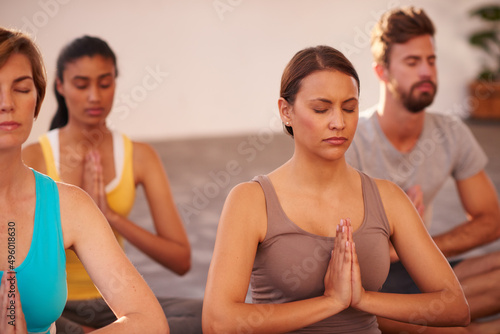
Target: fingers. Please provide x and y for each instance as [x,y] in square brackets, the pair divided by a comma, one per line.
[338,276]
[3,304]
[12,317]
[341,251]
[357,287]
[89,183]
[93,178]
[20,320]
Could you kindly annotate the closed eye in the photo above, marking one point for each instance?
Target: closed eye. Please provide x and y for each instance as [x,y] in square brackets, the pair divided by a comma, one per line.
[320,111]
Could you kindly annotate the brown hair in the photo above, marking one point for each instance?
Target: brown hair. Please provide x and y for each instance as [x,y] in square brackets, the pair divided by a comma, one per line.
[307,61]
[12,42]
[398,26]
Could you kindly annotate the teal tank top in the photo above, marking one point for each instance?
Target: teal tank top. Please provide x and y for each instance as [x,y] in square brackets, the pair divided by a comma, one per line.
[41,277]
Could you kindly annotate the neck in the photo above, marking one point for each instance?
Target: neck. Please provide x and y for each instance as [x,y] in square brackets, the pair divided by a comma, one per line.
[307,171]
[401,126]
[13,172]
[91,135]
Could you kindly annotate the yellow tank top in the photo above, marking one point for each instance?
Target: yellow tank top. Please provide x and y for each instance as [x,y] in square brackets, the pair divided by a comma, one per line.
[120,194]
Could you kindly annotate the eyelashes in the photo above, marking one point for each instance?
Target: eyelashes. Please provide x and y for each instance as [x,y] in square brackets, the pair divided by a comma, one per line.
[85,86]
[322,111]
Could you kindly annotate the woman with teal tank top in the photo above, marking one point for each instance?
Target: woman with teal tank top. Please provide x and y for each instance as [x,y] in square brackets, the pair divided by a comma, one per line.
[312,237]
[81,149]
[40,219]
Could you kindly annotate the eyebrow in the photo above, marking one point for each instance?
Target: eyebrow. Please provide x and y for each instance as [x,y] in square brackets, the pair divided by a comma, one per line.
[351,99]
[321,99]
[25,77]
[80,77]
[412,57]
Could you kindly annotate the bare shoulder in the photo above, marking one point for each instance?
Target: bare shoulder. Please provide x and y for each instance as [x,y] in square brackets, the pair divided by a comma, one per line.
[245,210]
[145,159]
[74,201]
[79,213]
[247,193]
[394,199]
[143,151]
[69,193]
[388,189]
[32,155]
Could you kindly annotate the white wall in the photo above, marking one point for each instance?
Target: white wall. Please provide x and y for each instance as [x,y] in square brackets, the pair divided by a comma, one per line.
[224,64]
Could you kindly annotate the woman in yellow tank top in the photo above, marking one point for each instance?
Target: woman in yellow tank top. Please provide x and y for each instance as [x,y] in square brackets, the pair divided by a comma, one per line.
[80,149]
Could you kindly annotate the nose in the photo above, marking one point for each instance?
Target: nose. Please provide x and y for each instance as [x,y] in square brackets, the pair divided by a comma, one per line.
[94,93]
[6,102]
[426,70]
[336,120]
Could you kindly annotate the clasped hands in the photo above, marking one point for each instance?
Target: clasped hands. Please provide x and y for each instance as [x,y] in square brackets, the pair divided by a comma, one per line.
[11,313]
[343,276]
[93,181]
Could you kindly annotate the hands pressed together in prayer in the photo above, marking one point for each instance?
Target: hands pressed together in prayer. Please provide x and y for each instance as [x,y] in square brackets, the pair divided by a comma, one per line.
[343,276]
[93,180]
[11,313]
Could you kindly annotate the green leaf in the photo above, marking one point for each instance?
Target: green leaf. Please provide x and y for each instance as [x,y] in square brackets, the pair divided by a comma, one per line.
[481,39]
[488,13]
[487,75]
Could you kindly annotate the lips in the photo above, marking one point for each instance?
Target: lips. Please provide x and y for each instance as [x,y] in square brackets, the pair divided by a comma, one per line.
[94,111]
[426,85]
[9,126]
[335,140]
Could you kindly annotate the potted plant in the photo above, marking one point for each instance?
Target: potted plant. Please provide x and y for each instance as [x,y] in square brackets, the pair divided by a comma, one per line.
[485,90]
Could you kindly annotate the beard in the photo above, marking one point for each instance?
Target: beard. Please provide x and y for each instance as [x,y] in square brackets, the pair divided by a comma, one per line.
[411,101]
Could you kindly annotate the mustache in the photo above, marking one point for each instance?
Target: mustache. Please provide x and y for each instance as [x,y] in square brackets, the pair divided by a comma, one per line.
[424,82]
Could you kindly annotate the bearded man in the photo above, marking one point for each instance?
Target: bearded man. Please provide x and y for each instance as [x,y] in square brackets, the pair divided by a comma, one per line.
[401,141]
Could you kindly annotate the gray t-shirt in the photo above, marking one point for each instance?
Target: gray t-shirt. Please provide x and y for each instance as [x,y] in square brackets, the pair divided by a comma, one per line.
[445,148]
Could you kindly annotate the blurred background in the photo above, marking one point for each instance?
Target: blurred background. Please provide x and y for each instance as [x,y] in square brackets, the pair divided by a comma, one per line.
[199,80]
[199,68]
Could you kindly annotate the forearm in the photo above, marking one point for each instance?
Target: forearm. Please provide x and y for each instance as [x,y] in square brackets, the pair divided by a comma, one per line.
[268,318]
[172,255]
[388,326]
[136,323]
[442,308]
[473,233]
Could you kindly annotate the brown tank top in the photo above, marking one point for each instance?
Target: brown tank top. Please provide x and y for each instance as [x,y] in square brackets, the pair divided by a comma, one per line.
[291,263]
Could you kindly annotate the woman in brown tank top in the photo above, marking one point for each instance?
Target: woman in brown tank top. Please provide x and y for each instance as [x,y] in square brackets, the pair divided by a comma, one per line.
[312,236]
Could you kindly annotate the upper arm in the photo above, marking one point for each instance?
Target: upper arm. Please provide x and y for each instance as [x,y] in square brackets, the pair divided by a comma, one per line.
[416,249]
[87,232]
[149,172]
[32,156]
[242,226]
[479,197]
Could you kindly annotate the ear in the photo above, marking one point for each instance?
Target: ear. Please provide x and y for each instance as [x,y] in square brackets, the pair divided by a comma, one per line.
[285,111]
[381,71]
[59,86]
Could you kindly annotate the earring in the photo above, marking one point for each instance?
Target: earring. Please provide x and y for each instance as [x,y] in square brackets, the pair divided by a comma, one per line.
[287,123]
